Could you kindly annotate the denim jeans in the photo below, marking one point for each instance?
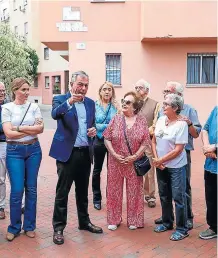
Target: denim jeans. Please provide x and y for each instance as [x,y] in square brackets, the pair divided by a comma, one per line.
[99,155]
[172,185]
[190,215]
[23,162]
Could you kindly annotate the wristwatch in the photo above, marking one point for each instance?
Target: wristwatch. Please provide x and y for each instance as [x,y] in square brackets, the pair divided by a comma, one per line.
[190,124]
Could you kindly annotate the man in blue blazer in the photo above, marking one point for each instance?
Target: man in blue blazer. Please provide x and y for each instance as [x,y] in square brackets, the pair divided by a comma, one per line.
[72,149]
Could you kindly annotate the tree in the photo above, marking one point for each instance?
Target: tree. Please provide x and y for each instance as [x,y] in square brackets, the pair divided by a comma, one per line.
[17,59]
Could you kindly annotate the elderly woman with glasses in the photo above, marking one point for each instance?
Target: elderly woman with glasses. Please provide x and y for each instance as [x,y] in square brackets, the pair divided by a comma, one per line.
[170,137]
[120,163]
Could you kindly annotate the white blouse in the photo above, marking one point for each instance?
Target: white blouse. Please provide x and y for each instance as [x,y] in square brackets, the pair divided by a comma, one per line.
[14,114]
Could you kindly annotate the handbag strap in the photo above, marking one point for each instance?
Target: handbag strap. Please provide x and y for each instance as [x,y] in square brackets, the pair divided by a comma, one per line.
[124,129]
[25,114]
[106,114]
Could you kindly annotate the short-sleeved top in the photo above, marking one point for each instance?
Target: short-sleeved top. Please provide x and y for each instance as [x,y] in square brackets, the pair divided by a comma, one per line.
[14,114]
[166,139]
[212,129]
[192,115]
[137,135]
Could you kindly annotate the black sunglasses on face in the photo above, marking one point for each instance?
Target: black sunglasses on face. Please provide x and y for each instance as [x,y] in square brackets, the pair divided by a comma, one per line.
[127,102]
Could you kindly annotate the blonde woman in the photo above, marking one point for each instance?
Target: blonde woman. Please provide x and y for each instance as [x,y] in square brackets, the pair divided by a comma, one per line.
[105,109]
[22,122]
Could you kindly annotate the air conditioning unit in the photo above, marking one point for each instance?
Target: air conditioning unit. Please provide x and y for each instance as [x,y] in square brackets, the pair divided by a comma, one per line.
[22,8]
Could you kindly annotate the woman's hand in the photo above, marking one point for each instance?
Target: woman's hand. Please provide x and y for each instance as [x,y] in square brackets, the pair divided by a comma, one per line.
[120,158]
[130,159]
[209,148]
[211,155]
[157,162]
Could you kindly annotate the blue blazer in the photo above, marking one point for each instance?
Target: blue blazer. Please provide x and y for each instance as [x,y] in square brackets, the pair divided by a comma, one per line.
[67,127]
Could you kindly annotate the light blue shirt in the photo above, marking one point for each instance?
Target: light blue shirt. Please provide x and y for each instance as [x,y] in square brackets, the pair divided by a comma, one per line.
[192,115]
[101,120]
[82,138]
[211,127]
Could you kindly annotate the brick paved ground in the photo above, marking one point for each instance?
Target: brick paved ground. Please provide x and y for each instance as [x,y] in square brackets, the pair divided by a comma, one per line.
[121,243]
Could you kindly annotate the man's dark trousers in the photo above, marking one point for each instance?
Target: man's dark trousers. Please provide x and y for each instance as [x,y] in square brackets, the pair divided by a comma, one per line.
[76,169]
[210,180]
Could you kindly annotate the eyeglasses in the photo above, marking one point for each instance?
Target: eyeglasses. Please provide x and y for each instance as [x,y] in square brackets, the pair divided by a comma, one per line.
[127,102]
[139,88]
[165,104]
[166,92]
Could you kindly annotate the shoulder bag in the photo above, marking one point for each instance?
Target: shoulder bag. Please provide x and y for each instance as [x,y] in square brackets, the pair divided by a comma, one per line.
[25,114]
[141,165]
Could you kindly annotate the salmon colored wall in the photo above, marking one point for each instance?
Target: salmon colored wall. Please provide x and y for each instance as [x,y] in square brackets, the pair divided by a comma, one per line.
[168,62]
[108,22]
[179,19]
[47,94]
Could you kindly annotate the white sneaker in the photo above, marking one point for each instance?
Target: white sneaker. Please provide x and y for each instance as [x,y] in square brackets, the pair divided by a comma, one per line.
[112,227]
[131,227]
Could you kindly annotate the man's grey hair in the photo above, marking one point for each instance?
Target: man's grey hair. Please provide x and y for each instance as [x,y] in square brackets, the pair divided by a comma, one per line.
[177,86]
[2,83]
[144,83]
[176,102]
[79,73]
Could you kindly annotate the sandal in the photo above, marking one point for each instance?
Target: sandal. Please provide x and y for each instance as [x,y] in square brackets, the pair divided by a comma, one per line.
[161,228]
[176,236]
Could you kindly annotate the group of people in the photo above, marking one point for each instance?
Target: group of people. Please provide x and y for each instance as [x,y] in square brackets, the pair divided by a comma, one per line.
[87,131]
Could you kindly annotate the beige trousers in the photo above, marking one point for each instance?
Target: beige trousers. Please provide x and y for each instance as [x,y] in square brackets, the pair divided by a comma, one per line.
[149,182]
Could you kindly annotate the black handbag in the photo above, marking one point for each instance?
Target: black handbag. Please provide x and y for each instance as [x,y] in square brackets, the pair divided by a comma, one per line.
[141,165]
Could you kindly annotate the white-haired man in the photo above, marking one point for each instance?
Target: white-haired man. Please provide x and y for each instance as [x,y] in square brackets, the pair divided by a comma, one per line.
[150,111]
[2,156]
[190,116]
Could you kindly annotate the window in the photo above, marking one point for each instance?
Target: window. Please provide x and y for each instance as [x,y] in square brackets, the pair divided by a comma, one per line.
[25,29]
[113,68]
[202,68]
[47,82]
[46,53]
[15,5]
[16,30]
[36,82]
[25,2]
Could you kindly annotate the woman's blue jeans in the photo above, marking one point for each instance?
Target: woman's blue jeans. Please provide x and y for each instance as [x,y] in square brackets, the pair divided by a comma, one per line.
[172,186]
[23,162]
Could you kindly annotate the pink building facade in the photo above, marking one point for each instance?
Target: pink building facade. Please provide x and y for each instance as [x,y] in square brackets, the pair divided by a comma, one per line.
[125,41]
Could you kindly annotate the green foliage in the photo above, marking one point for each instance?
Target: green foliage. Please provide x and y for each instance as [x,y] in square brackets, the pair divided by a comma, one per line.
[17,59]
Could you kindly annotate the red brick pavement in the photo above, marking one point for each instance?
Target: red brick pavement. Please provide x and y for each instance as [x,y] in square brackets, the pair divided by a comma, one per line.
[143,243]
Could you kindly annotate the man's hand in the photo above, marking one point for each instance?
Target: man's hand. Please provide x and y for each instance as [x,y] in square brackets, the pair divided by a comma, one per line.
[38,121]
[185,118]
[157,162]
[209,148]
[91,132]
[75,98]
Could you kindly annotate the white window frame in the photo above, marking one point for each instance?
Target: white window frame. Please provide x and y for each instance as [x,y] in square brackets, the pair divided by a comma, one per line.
[25,29]
[118,69]
[46,57]
[47,82]
[15,5]
[16,30]
[201,55]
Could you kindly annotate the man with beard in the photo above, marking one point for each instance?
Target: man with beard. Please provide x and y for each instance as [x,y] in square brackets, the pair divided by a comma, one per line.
[150,111]
[72,149]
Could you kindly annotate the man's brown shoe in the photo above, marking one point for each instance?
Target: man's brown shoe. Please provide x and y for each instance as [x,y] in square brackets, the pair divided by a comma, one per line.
[2,214]
[10,237]
[30,234]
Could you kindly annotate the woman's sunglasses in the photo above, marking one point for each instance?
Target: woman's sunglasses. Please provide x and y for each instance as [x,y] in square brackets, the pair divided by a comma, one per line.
[127,102]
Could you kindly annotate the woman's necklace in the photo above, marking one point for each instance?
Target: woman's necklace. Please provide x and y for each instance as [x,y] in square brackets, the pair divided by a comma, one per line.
[168,122]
